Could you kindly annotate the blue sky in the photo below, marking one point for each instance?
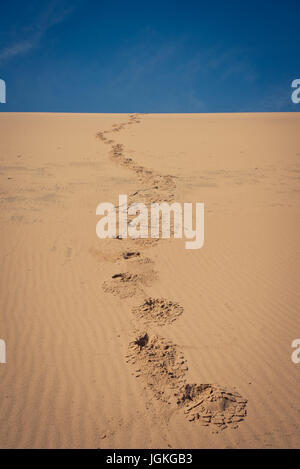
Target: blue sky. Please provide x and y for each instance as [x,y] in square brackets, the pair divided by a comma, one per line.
[149,56]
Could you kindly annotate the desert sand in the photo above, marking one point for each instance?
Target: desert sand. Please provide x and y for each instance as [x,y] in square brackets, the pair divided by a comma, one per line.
[121,343]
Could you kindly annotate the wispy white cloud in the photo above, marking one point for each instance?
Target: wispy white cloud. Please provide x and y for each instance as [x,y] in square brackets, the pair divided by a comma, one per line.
[52,15]
[221,62]
[13,50]
[174,72]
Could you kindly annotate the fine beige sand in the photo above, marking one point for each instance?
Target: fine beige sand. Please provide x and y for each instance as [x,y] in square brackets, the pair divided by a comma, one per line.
[143,344]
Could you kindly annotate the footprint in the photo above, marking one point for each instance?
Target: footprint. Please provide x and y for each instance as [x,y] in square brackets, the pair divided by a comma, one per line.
[212,405]
[160,365]
[130,254]
[117,150]
[158,310]
[128,284]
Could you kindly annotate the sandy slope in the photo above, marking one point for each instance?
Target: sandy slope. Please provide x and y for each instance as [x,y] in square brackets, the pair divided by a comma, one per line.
[71,377]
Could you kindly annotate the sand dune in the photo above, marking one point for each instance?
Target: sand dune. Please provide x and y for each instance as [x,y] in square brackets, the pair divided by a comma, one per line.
[123,343]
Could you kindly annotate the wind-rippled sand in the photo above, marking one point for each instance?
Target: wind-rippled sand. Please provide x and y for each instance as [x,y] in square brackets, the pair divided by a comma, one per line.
[142,343]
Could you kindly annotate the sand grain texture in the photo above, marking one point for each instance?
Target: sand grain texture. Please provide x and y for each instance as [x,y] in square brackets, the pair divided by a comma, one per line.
[72,305]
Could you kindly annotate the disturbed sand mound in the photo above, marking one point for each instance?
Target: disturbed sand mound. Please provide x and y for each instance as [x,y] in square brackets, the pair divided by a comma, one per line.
[159,363]
[117,150]
[135,257]
[162,367]
[212,405]
[158,310]
[127,284]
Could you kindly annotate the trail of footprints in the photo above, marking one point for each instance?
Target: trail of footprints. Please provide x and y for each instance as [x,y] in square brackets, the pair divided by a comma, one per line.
[158,362]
